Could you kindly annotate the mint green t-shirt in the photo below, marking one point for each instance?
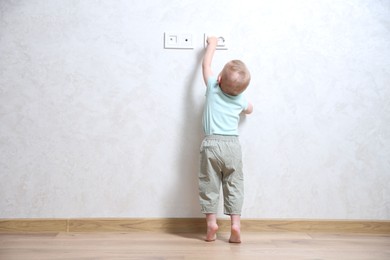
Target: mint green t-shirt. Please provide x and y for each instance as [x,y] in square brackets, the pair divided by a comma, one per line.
[221,112]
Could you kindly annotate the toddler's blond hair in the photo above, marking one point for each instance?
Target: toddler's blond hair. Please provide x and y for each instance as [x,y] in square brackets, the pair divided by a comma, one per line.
[234,78]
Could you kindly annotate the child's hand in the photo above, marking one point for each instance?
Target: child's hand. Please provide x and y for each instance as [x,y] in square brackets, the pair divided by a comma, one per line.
[249,109]
[212,40]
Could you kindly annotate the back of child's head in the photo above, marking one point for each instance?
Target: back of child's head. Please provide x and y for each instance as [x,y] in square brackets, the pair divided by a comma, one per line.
[234,78]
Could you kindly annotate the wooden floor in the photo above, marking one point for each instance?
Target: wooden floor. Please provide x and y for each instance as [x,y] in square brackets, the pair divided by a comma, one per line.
[159,245]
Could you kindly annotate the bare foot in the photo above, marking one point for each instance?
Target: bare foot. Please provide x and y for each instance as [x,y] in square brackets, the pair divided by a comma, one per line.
[235,236]
[211,232]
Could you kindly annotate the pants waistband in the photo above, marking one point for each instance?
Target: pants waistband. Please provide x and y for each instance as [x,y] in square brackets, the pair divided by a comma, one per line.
[221,137]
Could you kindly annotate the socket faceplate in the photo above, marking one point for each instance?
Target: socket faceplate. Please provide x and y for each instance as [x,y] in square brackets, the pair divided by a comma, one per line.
[178,40]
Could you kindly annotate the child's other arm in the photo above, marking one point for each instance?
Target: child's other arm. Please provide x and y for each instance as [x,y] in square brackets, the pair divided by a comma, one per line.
[208,57]
[249,109]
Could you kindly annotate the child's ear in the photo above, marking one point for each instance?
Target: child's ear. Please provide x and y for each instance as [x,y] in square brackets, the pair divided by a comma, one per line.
[219,79]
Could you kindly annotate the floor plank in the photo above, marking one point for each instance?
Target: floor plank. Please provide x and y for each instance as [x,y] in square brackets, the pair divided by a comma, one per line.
[153,245]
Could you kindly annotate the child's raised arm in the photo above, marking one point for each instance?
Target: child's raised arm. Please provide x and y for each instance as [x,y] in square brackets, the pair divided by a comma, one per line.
[208,57]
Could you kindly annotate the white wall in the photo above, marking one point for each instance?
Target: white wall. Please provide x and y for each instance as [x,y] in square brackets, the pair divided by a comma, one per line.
[97,119]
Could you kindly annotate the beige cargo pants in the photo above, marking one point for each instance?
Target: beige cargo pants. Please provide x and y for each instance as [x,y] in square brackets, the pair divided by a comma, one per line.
[221,164]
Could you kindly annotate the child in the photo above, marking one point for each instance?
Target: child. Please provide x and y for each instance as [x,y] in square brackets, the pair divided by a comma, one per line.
[221,162]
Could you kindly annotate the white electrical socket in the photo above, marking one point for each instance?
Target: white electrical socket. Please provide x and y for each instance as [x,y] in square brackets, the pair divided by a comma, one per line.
[223,41]
[178,40]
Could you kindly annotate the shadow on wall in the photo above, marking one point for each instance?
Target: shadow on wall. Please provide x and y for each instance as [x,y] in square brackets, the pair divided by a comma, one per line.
[183,196]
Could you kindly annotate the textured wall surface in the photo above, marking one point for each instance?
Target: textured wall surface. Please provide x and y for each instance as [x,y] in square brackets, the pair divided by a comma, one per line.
[97,119]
